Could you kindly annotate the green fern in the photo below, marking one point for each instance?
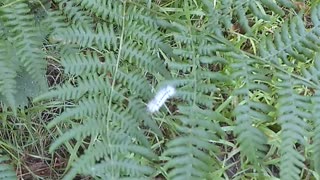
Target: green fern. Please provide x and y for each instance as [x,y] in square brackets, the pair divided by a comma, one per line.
[106,93]
[249,113]
[240,8]
[25,38]
[74,14]
[6,170]
[291,113]
[292,40]
[190,152]
[21,53]
[297,43]
[313,75]
[112,50]
[108,158]
[7,76]
[316,136]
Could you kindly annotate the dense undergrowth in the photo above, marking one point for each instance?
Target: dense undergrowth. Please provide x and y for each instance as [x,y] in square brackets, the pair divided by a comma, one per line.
[76,78]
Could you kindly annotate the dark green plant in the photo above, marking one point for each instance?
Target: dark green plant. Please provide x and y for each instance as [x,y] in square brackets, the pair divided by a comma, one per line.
[117,52]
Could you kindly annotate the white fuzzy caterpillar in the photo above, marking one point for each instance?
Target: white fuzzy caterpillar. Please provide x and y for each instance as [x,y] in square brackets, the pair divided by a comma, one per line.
[155,104]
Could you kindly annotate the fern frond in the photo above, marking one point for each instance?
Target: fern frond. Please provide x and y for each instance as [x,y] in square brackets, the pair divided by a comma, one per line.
[103,36]
[316,136]
[89,106]
[107,10]
[292,40]
[292,43]
[86,63]
[240,8]
[22,61]
[89,84]
[7,75]
[143,59]
[249,112]
[116,51]
[124,126]
[55,22]
[141,15]
[147,35]
[75,15]
[196,62]
[123,121]
[107,169]
[25,39]
[107,96]
[117,145]
[313,74]
[190,152]
[6,170]
[292,111]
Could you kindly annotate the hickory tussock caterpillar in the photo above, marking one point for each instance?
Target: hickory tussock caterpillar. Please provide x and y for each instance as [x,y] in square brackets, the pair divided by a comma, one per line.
[160,98]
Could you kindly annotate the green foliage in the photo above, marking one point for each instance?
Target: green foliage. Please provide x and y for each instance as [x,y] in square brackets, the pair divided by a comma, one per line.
[291,113]
[191,151]
[22,64]
[312,74]
[244,10]
[6,170]
[115,53]
[250,112]
[316,133]
[107,91]
[196,123]
[300,44]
